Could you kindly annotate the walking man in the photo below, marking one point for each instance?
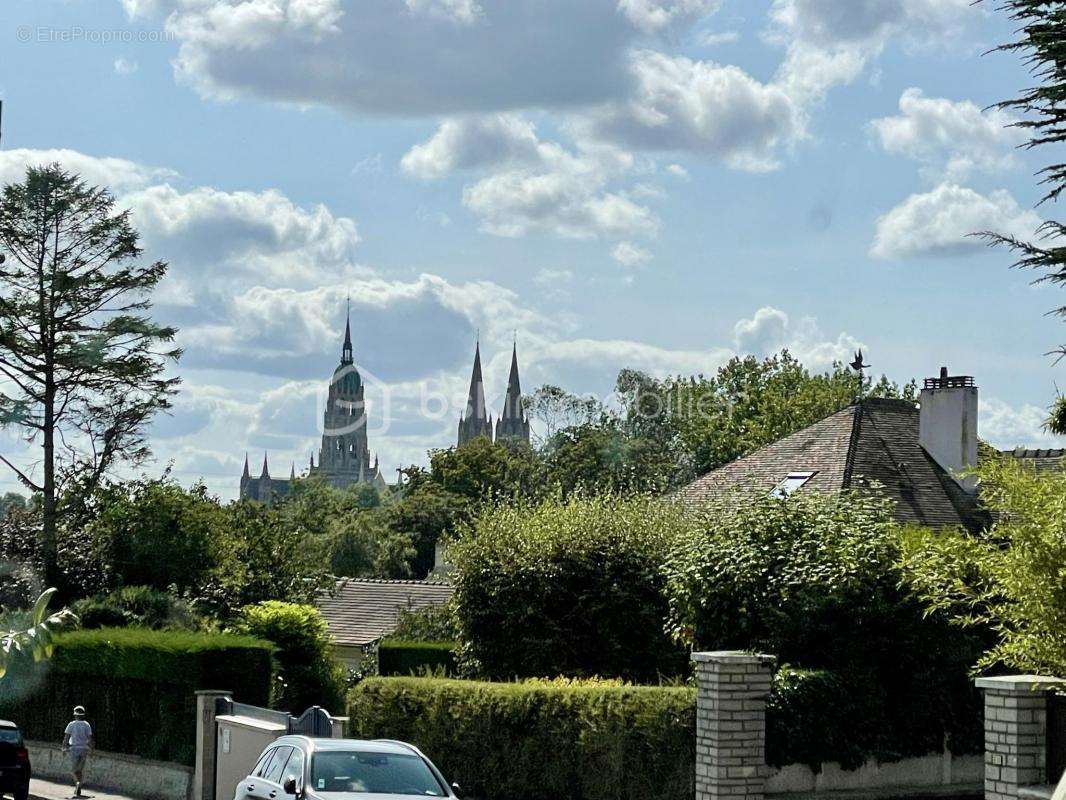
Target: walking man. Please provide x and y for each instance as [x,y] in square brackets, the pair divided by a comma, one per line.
[78,741]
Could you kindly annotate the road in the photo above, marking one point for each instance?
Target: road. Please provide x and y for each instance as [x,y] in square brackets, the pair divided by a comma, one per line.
[49,790]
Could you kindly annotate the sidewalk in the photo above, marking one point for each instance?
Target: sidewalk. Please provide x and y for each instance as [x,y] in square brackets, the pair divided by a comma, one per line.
[49,790]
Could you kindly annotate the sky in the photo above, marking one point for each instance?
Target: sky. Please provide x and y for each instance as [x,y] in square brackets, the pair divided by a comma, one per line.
[654,184]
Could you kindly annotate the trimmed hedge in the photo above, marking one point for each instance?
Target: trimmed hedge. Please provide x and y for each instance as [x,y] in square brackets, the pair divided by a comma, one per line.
[137,685]
[403,657]
[527,741]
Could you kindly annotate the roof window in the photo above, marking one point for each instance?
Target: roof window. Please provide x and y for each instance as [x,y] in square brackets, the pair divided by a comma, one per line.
[790,484]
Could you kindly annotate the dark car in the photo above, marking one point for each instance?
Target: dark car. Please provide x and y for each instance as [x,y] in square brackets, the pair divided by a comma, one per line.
[302,768]
[14,762]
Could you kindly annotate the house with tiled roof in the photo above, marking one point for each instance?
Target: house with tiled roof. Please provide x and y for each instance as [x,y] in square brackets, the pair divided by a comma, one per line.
[916,454]
[361,611]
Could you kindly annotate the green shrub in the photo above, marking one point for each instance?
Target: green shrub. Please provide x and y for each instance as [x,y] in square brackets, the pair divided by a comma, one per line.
[140,606]
[528,741]
[400,657]
[308,673]
[137,685]
[814,579]
[571,587]
[427,624]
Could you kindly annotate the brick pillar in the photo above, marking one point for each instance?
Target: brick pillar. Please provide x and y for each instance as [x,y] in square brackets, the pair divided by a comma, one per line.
[1015,733]
[203,786]
[731,724]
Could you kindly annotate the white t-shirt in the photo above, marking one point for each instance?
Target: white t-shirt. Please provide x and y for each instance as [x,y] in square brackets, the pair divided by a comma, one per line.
[80,732]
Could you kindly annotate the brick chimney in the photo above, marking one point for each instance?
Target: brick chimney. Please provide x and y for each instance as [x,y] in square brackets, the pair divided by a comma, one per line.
[947,424]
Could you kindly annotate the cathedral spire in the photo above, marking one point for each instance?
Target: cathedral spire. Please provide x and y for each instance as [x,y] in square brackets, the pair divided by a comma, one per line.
[246,473]
[266,472]
[475,422]
[292,471]
[346,350]
[513,423]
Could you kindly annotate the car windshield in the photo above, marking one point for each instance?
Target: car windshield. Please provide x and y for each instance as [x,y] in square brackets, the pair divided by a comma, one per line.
[373,773]
[10,736]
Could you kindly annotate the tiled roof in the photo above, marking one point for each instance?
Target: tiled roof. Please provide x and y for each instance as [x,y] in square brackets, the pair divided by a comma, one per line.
[1041,459]
[872,441]
[360,611]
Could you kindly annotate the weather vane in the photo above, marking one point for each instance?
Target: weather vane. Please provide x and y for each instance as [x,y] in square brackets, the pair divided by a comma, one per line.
[858,365]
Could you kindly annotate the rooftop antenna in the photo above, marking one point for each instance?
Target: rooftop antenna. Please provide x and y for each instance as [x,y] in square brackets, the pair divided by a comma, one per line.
[858,365]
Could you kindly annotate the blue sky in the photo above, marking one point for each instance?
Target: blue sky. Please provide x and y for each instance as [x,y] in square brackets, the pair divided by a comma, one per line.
[647,183]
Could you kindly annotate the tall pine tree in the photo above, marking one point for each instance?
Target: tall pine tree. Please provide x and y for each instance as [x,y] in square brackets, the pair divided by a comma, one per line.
[1042,42]
[82,366]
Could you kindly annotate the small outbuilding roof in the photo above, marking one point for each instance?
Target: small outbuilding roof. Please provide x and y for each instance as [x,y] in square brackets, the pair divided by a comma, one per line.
[360,611]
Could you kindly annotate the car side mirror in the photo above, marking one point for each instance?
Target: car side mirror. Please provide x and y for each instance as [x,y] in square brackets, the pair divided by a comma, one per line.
[456,790]
[289,787]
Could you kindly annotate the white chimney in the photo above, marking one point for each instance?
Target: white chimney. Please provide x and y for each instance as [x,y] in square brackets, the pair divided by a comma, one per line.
[947,424]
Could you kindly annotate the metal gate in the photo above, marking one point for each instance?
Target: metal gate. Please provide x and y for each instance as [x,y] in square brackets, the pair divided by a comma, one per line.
[1056,737]
[242,732]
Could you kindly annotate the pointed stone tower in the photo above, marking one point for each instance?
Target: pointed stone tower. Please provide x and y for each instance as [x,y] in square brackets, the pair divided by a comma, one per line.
[475,420]
[344,457]
[513,423]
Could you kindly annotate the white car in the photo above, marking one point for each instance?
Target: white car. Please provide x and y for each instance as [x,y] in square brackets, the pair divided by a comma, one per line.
[306,768]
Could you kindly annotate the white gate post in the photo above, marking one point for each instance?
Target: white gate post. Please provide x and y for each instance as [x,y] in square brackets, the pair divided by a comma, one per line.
[204,770]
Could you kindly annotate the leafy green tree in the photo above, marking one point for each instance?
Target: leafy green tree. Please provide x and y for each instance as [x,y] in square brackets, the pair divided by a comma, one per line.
[155,533]
[308,674]
[557,409]
[34,635]
[570,588]
[83,363]
[274,562]
[482,470]
[363,546]
[11,500]
[746,404]
[1008,579]
[426,512]
[1041,30]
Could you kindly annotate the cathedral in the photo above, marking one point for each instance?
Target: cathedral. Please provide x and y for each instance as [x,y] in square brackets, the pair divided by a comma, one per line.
[344,457]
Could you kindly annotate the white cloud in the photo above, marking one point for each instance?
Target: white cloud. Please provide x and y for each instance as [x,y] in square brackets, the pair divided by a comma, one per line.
[940,222]
[407,57]
[473,142]
[531,185]
[949,137]
[652,16]
[770,330]
[677,171]
[702,107]
[630,255]
[125,66]
[715,38]
[1006,426]
[461,11]
[830,42]
[116,173]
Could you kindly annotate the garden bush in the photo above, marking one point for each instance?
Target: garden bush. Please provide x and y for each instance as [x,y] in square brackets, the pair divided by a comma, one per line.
[595,740]
[307,672]
[815,580]
[400,657]
[571,587]
[137,685]
[139,606]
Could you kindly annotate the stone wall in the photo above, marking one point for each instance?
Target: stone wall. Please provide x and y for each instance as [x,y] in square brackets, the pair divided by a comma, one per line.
[121,773]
